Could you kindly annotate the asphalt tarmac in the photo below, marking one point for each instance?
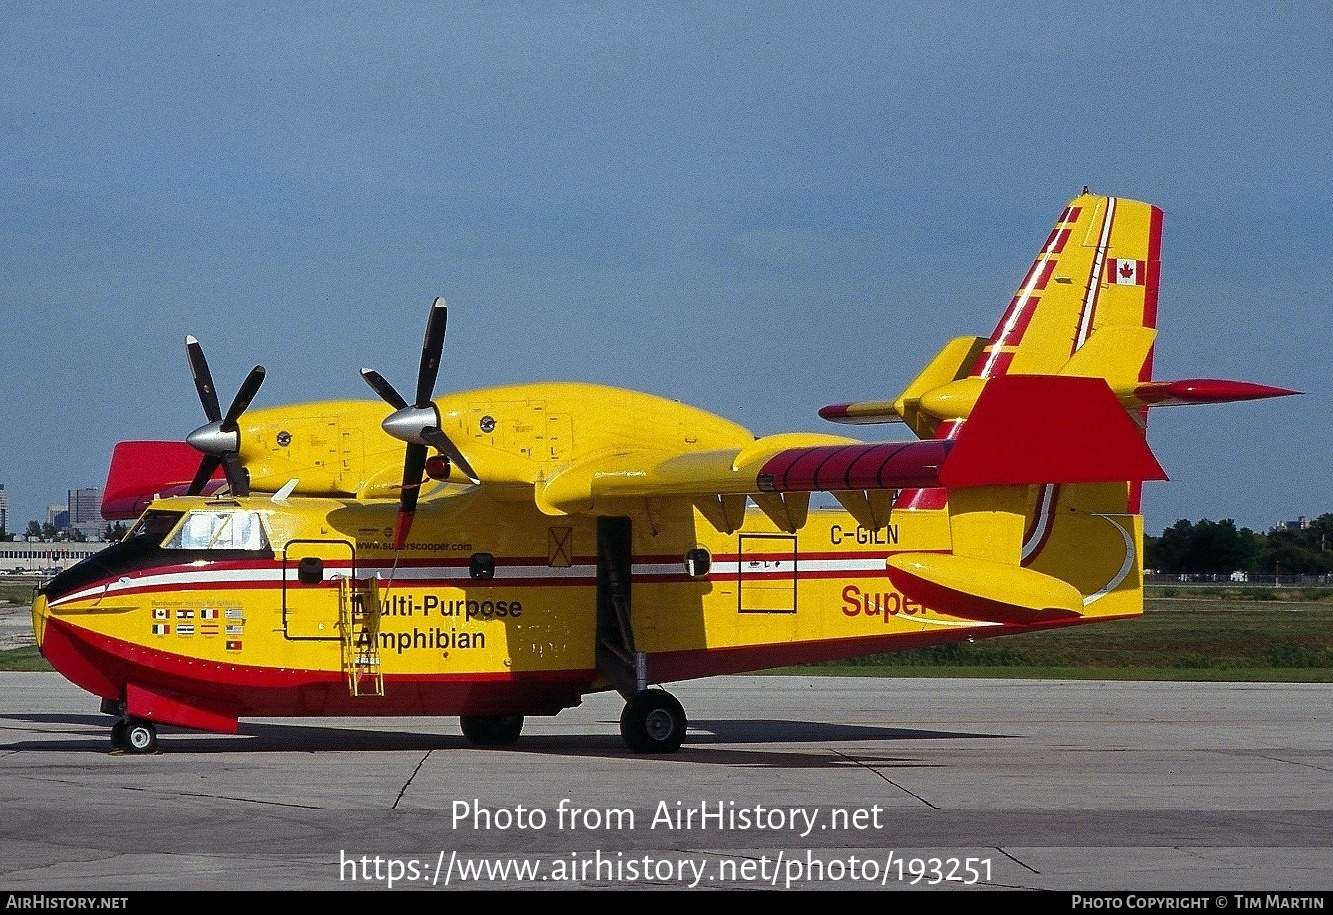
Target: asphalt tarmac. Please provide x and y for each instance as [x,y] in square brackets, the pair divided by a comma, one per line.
[786,783]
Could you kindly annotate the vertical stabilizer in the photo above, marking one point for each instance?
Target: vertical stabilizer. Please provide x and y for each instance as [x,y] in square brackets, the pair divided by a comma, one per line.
[1094,279]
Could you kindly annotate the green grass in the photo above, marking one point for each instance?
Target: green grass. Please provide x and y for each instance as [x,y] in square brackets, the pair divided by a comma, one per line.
[1267,594]
[23,659]
[1193,638]
[18,589]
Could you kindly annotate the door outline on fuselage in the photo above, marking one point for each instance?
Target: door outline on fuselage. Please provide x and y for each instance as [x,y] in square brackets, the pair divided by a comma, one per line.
[766,581]
[312,612]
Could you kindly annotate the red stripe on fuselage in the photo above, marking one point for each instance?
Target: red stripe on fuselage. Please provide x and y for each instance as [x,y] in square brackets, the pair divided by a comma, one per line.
[273,691]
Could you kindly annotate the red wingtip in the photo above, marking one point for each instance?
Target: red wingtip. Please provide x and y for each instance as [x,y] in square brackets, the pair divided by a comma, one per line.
[402,528]
[835,412]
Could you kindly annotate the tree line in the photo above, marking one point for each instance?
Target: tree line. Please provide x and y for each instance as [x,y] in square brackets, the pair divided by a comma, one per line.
[49,533]
[1219,547]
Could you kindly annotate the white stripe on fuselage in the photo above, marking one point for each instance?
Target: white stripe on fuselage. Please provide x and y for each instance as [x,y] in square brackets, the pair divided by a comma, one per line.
[179,578]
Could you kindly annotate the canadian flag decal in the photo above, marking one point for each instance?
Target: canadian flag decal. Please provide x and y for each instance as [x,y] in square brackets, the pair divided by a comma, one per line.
[1122,272]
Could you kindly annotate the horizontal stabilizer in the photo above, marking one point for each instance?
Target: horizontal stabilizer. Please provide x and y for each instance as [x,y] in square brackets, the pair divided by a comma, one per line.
[979,589]
[141,470]
[950,364]
[1048,429]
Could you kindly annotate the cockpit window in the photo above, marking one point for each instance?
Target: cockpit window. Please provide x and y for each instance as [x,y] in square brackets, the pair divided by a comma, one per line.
[153,526]
[219,530]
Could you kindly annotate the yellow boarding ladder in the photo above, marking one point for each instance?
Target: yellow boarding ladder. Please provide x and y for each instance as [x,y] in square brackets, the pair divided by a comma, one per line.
[359,606]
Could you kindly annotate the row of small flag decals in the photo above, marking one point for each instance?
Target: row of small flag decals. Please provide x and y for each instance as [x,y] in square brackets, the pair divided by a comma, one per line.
[235,625]
[204,613]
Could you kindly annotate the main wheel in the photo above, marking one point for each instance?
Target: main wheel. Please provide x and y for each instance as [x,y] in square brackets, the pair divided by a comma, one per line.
[491,730]
[140,736]
[653,722]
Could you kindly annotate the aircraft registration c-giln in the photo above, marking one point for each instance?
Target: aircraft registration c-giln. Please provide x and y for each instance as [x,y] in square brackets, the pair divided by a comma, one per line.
[500,553]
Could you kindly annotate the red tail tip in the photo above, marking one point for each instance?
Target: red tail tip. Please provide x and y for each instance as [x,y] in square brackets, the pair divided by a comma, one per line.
[1205,390]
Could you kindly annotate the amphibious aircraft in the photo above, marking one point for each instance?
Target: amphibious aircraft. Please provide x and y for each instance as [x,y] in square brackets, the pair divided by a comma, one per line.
[500,553]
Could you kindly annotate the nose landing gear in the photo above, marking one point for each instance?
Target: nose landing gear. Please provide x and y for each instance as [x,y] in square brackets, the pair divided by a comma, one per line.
[133,735]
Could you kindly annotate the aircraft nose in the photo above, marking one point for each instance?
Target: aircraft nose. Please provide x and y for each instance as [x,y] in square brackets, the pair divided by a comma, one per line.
[39,615]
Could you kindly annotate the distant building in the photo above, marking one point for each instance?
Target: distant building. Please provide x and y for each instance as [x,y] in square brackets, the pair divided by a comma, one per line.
[42,557]
[85,512]
[1300,524]
[85,505]
[81,512]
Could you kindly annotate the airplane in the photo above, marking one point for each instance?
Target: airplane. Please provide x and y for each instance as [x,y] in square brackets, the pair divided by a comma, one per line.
[501,553]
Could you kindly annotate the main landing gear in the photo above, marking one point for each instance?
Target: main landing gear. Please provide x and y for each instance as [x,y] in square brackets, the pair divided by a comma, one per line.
[653,721]
[491,730]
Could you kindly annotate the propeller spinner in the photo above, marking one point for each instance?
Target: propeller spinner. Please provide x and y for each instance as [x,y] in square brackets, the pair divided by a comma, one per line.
[219,439]
[418,423]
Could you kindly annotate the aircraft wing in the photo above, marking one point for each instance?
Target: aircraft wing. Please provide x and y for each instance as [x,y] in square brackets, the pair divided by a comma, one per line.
[1023,430]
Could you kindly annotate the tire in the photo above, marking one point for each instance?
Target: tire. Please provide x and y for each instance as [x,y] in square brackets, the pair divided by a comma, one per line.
[140,736]
[491,730]
[653,722]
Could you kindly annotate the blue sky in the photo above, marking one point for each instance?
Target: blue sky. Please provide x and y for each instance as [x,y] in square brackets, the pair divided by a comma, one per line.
[757,208]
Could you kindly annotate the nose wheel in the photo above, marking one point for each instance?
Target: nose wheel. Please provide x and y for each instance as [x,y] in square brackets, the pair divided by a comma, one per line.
[133,735]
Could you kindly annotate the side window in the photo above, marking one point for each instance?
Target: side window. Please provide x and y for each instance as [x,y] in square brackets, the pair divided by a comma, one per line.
[219,530]
[154,525]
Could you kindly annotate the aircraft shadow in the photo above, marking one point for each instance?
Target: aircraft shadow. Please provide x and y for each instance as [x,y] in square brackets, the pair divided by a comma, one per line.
[703,744]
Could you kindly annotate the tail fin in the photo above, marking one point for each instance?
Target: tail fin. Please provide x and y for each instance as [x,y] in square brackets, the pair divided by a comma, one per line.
[1095,276]
[1026,551]
[1087,307]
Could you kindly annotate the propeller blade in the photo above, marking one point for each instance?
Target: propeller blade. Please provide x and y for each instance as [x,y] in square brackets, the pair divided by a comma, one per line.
[386,391]
[418,423]
[441,441]
[430,352]
[247,392]
[203,379]
[414,468]
[205,473]
[219,439]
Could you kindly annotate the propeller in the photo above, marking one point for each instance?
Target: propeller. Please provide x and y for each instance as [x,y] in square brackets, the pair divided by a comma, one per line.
[418,423]
[219,439]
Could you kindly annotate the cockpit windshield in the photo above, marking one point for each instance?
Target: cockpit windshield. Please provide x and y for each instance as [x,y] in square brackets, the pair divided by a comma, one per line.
[221,529]
[153,526]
